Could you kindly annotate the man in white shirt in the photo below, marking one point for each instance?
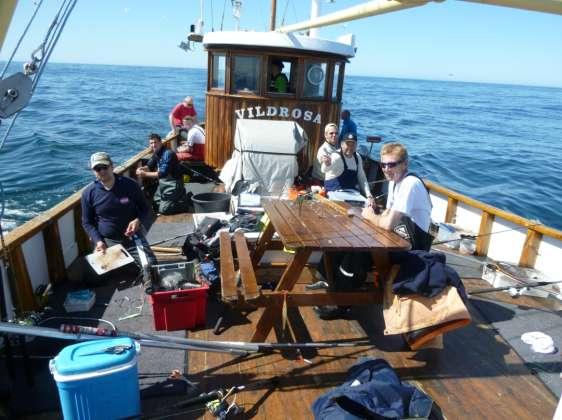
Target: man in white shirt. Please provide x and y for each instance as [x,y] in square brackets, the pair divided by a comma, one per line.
[408,206]
[329,146]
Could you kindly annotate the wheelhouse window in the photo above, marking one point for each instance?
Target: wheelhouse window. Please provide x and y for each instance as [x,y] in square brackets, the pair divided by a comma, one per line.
[281,75]
[219,71]
[314,79]
[245,74]
[336,80]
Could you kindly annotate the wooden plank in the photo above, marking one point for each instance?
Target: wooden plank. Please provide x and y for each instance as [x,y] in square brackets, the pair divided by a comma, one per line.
[294,269]
[24,288]
[228,286]
[264,325]
[249,284]
[53,249]
[530,249]
[316,298]
[484,234]
[263,243]
[451,213]
[80,235]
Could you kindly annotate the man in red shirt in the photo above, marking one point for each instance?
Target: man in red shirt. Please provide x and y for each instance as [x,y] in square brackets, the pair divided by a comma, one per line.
[181,110]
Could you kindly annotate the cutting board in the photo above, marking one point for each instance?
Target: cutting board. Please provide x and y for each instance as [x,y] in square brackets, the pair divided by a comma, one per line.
[114,257]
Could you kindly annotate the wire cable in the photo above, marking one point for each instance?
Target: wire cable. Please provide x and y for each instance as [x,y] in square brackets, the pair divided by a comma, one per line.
[20,39]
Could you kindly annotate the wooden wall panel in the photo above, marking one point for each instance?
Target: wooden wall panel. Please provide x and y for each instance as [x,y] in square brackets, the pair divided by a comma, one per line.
[221,120]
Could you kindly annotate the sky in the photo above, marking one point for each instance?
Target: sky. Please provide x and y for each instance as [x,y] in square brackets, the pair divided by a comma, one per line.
[450,40]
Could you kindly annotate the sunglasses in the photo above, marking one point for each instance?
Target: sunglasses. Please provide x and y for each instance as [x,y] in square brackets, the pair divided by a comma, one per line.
[389,165]
[98,168]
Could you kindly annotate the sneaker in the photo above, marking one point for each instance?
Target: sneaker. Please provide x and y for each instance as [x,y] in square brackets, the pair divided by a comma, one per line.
[328,312]
[321,284]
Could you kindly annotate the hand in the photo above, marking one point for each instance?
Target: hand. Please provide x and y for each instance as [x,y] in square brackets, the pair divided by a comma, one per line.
[368,212]
[326,160]
[140,172]
[132,228]
[100,247]
[370,201]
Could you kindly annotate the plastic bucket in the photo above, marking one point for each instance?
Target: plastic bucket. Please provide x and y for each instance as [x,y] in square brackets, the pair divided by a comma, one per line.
[211,202]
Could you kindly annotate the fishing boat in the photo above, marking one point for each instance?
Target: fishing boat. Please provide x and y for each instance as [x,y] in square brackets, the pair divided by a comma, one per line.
[482,370]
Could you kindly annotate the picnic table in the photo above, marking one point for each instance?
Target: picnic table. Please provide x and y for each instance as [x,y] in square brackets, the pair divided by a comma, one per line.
[317,225]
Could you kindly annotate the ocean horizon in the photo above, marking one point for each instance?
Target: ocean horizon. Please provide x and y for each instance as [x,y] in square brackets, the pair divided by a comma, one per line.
[498,143]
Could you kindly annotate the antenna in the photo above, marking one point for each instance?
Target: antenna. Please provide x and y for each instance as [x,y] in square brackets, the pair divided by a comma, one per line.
[194,35]
[237,11]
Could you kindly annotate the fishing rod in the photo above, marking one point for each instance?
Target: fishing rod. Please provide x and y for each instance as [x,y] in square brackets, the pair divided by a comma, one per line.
[515,288]
[235,345]
[216,397]
[169,239]
[53,333]
[467,236]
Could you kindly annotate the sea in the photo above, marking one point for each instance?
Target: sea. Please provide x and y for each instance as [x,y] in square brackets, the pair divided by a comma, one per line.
[501,144]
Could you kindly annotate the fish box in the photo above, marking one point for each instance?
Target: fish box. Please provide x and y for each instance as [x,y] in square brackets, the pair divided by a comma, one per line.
[502,274]
[179,309]
[95,382]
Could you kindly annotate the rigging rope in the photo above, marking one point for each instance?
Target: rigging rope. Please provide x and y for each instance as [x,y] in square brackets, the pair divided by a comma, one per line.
[223,12]
[33,69]
[285,13]
[20,40]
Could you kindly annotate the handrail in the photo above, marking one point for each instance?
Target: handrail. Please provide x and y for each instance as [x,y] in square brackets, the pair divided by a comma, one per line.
[41,221]
[529,224]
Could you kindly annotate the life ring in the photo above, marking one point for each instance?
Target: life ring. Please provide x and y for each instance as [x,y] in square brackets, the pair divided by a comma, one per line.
[315,75]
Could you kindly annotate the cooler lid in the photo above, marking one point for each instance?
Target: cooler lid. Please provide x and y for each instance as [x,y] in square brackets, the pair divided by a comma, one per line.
[95,355]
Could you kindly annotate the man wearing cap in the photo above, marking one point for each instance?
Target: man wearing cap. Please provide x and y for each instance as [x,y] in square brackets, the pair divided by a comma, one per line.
[113,206]
[181,110]
[344,169]
[279,81]
[348,126]
[329,146]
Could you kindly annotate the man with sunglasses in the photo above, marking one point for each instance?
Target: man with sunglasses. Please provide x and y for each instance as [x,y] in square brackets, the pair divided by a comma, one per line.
[408,206]
[113,206]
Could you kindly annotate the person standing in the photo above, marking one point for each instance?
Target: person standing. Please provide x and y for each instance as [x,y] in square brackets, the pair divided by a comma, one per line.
[348,126]
[114,211]
[329,146]
[408,206]
[279,82]
[181,110]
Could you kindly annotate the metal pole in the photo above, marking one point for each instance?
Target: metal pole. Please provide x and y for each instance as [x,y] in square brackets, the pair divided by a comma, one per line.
[273,15]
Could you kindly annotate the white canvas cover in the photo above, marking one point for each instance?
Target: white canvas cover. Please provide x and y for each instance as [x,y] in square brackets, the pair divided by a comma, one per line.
[265,155]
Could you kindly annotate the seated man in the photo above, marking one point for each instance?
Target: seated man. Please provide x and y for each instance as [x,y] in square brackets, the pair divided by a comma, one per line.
[408,213]
[114,208]
[194,148]
[329,146]
[408,206]
[344,170]
[163,166]
[181,110]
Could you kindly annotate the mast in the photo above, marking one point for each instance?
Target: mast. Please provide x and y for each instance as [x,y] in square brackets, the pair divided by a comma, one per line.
[273,15]
[7,8]
[314,13]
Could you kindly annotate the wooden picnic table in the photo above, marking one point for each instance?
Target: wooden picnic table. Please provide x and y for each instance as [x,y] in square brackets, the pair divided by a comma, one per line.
[318,225]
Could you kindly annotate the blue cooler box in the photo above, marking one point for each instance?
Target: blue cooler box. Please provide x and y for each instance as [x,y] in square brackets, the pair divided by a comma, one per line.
[95,383]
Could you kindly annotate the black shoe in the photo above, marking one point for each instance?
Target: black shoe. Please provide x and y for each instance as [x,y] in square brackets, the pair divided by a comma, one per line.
[328,312]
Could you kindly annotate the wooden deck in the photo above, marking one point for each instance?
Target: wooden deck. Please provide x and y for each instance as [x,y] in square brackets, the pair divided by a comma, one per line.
[476,374]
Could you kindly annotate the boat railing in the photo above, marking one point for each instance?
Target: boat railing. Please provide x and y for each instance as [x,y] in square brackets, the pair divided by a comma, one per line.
[52,240]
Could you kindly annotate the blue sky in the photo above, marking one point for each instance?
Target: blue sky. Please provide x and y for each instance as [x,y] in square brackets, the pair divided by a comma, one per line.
[453,40]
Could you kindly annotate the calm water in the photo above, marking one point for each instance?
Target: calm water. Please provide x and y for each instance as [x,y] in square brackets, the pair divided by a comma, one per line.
[497,143]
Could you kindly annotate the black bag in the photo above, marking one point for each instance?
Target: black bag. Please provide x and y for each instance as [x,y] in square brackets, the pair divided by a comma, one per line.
[419,238]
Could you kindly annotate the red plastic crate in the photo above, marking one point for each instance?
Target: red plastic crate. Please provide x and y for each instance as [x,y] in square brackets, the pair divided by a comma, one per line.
[179,309]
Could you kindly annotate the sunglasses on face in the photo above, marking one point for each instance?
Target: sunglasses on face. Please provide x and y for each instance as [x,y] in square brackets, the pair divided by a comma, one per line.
[390,165]
[98,168]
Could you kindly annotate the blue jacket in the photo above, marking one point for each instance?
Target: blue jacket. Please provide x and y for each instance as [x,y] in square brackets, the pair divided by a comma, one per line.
[424,273]
[167,163]
[106,214]
[372,390]
[348,126]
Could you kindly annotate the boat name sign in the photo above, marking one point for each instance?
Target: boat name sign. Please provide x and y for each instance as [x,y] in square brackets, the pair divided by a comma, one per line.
[278,111]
